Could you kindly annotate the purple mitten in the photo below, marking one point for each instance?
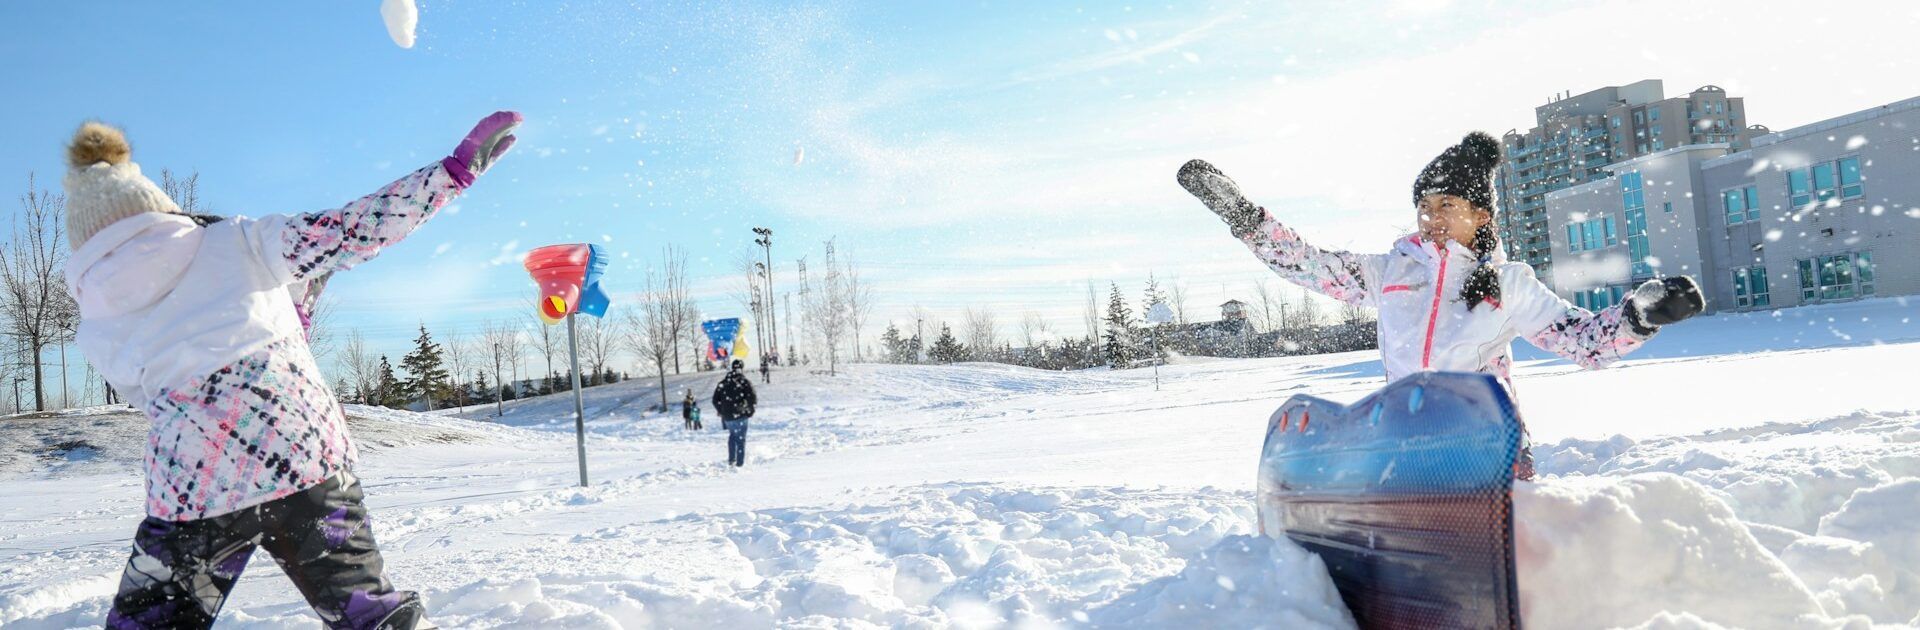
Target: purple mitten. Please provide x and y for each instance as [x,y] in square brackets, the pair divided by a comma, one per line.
[489,140]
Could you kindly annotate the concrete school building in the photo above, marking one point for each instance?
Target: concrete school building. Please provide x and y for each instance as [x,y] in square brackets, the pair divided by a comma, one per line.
[1825,212]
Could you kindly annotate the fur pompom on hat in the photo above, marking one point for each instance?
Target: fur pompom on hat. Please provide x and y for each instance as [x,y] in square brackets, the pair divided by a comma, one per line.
[1464,170]
[104,185]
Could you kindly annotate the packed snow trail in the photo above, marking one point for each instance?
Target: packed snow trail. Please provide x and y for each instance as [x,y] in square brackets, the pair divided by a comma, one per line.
[982,495]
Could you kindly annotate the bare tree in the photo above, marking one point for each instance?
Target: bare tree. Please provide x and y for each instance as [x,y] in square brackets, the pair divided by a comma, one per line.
[750,295]
[461,355]
[497,341]
[1032,329]
[1355,314]
[184,192]
[1092,314]
[516,345]
[682,315]
[598,338]
[544,339]
[827,316]
[320,333]
[1268,298]
[648,331]
[981,333]
[859,297]
[1309,310]
[1177,300]
[359,364]
[34,297]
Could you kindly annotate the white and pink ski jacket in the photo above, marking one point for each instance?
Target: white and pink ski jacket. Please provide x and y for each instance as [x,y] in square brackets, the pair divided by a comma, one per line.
[1423,323]
[193,325]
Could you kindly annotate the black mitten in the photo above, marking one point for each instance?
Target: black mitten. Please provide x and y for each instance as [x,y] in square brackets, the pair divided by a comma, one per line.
[1657,303]
[1221,195]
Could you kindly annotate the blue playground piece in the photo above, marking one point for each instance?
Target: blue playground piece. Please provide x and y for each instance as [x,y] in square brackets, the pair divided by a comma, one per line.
[1406,495]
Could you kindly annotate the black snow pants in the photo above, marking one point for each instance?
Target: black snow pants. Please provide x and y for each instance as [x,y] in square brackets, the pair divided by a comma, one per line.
[182,571]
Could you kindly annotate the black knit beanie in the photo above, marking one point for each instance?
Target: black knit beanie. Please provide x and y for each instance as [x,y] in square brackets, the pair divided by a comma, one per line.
[1464,170]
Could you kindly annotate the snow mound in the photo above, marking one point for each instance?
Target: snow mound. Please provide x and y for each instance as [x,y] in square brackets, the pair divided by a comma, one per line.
[1241,582]
[1609,552]
[1866,558]
[948,555]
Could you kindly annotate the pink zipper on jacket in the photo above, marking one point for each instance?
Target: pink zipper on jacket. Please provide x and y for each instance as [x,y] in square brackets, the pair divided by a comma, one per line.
[1433,317]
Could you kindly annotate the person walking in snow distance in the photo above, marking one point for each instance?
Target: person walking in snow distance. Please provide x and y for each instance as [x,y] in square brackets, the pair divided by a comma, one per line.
[191,322]
[689,410]
[1447,298]
[734,399]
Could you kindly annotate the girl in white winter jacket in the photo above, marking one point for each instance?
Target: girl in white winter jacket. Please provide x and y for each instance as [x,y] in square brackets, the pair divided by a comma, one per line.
[1447,298]
[196,324]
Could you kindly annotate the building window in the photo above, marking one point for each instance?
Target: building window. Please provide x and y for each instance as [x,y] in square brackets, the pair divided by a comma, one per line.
[1849,177]
[1823,181]
[1667,207]
[1634,198]
[1653,114]
[1741,204]
[1750,287]
[1824,184]
[1863,265]
[1639,118]
[1836,276]
[1657,144]
[1599,298]
[1592,234]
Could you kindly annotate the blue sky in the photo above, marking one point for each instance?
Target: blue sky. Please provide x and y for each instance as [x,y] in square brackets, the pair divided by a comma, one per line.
[989,154]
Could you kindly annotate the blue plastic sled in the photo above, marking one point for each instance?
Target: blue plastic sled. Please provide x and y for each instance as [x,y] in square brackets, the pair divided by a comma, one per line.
[1406,495]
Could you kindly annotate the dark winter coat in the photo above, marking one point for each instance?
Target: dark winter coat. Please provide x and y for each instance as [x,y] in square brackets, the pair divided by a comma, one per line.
[733,397]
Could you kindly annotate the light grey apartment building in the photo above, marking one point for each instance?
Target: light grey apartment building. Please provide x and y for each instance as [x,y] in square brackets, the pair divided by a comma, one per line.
[1575,138]
[1819,213]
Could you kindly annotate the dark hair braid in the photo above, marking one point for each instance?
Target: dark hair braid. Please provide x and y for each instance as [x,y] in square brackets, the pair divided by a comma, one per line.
[1484,283]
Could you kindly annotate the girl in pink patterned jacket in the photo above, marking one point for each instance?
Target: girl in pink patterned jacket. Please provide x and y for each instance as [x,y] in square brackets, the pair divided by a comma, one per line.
[191,322]
[1447,299]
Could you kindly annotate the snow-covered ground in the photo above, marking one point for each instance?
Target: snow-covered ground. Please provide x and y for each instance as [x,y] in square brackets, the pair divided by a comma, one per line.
[1751,471]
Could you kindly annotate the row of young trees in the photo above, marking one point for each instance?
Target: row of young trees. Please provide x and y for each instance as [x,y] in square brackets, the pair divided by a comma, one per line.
[452,374]
[1116,336]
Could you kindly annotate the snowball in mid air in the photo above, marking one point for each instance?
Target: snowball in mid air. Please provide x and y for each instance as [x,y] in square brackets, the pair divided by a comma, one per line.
[401,17]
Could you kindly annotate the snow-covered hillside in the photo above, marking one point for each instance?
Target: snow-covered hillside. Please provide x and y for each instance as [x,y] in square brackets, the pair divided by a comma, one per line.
[1755,471]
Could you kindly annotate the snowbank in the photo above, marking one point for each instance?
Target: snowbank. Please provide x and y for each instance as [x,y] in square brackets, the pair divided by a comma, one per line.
[1242,582]
[1606,552]
[950,555]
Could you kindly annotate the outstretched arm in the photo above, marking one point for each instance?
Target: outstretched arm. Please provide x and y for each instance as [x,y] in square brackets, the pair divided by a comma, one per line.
[1340,275]
[1336,274]
[315,244]
[1594,340]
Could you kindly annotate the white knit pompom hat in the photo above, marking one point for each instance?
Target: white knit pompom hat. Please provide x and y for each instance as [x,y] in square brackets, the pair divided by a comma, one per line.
[104,185]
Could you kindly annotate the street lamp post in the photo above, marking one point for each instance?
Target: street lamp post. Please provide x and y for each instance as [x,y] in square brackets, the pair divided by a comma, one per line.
[766,246]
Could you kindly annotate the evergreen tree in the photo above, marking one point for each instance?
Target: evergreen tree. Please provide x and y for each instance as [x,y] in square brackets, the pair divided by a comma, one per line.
[426,374]
[1119,348]
[894,346]
[342,391]
[387,390]
[945,348]
[481,392]
[911,350]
